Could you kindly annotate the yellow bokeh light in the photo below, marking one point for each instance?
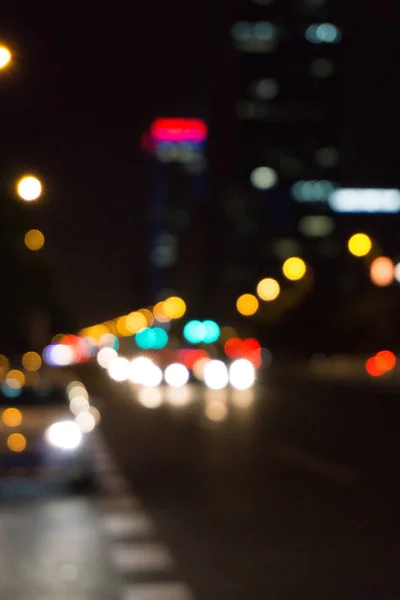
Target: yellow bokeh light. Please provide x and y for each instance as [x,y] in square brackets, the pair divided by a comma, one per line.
[294,268]
[122,328]
[5,57]
[15,375]
[4,362]
[174,307]
[29,188]
[148,315]
[268,289]
[34,239]
[12,417]
[95,332]
[31,361]
[16,442]
[247,305]
[382,271]
[359,244]
[133,322]
[160,314]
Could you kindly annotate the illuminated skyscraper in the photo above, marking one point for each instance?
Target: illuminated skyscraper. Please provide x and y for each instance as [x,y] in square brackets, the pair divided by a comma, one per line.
[178,184]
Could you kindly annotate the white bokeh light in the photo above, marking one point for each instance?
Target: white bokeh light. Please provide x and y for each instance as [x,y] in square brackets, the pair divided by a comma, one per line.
[85,421]
[263,178]
[138,368]
[181,396]
[176,375]
[65,435]
[216,375]
[119,368]
[216,411]
[150,397]
[105,356]
[151,376]
[79,404]
[241,374]
[76,388]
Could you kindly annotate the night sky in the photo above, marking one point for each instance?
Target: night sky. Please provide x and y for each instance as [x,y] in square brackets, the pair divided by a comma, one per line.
[84,85]
[86,82]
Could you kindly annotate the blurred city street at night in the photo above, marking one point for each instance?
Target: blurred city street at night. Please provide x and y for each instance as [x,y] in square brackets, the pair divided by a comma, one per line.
[200,275]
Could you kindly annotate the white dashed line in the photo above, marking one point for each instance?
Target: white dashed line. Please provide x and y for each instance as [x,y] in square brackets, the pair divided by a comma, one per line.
[141,557]
[120,525]
[158,591]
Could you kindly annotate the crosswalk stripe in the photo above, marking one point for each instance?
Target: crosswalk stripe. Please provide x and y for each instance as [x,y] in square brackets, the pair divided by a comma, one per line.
[142,557]
[158,591]
[122,525]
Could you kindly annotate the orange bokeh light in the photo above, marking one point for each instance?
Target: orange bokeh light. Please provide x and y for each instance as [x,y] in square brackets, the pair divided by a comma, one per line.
[382,271]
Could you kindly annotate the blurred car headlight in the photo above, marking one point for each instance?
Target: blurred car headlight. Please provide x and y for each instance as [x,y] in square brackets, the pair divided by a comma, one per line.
[65,435]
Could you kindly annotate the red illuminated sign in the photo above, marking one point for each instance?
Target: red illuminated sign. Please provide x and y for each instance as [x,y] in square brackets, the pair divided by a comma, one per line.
[179,130]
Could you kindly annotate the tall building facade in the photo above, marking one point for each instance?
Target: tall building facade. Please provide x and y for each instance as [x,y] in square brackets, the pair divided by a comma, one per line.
[178,189]
[287,133]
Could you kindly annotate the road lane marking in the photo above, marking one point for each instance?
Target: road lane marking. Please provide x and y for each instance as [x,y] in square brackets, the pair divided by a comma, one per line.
[158,591]
[120,525]
[141,556]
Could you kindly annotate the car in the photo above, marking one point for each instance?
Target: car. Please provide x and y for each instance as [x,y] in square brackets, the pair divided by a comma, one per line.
[39,438]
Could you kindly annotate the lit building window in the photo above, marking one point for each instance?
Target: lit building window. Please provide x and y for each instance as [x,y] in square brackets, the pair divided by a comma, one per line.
[261,36]
[316,226]
[284,248]
[365,200]
[322,68]
[264,89]
[263,178]
[165,252]
[323,33]
[326,157]
[251,111]
[312,190]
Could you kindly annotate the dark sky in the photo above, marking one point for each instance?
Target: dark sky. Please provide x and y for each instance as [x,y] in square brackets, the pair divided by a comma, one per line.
[85,84]
[87,81]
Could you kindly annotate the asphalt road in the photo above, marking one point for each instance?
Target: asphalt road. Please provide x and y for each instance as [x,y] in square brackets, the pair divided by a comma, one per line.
[294,496]
[57,545]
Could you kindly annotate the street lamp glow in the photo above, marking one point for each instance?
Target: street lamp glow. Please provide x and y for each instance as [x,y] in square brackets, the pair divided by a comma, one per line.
[268,289]
[359,244]
[29,188]
[34,239]
[5,57]
[294,268]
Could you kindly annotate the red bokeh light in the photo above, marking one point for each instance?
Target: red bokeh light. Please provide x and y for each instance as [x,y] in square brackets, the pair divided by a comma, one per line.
[251,349]
[385,361]
[372,368]
[189,356]
[250,345]
[233,348]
